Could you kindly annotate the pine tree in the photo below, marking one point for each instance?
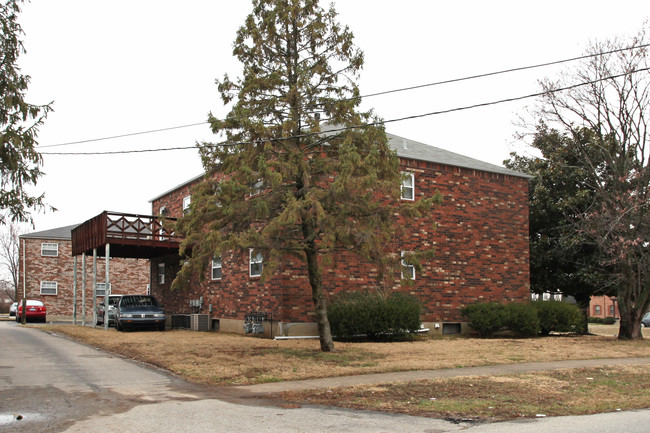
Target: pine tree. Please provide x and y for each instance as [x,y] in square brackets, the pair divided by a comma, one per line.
[19,122]
[296,175]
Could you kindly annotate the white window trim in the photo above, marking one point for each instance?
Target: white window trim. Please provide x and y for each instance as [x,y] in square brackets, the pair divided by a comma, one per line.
[50,246]
[187,201]
[251,263]
[412,187]
[53,285]
[257,188]
[220,267]
[411,267]
[100,289]
[161,273]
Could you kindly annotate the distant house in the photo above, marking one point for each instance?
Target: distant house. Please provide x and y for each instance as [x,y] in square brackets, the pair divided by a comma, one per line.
[481,241]
[46,272]
[603,306]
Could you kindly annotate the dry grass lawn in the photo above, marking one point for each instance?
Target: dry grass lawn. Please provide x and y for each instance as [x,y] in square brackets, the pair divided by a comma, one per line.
[550,393]
[220,359]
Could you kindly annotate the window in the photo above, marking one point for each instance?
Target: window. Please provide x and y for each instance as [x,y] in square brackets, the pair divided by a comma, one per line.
[100,289]
[255,264]
[408,187]
[257,187]
[596,309]
[408,271]
[161,273]
[216,268]
[611,310]
[186,204]
[49,287]
[49,249]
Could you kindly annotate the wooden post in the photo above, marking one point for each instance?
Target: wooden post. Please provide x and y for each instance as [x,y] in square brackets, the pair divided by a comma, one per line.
[83,289]
[94,286]
[107,286]
[74,291]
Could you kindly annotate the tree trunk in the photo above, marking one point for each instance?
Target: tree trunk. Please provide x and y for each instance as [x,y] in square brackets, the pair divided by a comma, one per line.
[320,305]
[631,314]
[630,328]
[583,304]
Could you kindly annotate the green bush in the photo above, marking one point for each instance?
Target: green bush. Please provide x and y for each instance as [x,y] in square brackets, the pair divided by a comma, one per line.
[373,315]
[609,321]
[522,319]
[555,316]
[485,318]
[605,321]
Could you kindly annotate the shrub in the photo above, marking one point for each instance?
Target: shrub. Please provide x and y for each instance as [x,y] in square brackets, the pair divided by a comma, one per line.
[558,317]
[609,321]
[595,319]
[521,318]
[485,318]
[373,315]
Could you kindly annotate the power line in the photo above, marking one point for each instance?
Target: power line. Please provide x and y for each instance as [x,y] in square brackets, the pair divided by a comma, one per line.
[383,122]
[403,89]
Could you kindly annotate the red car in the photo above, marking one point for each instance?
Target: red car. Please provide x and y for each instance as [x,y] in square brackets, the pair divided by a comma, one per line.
[35,311]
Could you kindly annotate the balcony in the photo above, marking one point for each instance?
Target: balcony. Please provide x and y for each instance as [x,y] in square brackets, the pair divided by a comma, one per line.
[130,235]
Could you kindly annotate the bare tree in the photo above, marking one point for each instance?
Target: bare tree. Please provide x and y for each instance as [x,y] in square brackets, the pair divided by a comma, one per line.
[615,105]
[10,259]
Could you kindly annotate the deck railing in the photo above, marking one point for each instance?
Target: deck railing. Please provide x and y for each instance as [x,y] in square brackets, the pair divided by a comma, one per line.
[123,229]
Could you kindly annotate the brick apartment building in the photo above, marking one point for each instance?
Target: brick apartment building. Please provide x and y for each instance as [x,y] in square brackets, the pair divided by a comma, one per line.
[481,241]
[46,272]
[603,306]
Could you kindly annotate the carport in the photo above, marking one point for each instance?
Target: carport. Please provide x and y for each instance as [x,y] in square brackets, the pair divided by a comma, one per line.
[115,234]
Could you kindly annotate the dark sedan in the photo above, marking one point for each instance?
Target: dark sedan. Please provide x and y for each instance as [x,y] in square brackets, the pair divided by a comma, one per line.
[139,311]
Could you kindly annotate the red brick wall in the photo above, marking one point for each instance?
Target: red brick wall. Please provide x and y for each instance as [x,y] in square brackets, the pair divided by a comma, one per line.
[126,276]
[480,233]
[602,306]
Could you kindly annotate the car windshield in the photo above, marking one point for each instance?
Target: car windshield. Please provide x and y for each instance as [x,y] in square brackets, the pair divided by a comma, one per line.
[138,301]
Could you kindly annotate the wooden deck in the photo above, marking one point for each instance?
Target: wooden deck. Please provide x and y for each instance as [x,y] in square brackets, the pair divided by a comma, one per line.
[129,235]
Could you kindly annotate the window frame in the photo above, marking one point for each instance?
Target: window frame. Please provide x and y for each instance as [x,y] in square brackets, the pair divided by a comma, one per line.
[597,310]
[187,201]
[213,268]
[55,288]
[161,273]
[259,262]
[404,187]
[50,244]
[411,269]
[257,187]
[102,291]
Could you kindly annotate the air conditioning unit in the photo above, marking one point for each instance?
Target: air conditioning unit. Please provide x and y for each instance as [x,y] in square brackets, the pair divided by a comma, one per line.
[200,322]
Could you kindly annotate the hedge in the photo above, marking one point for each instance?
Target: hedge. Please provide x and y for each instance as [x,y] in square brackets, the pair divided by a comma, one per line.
[371,315]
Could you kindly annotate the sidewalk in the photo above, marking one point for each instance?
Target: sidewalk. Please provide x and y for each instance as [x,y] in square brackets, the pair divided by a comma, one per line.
[406,376]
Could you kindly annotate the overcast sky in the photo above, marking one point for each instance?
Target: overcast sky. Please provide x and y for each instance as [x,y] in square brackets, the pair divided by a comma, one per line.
[122,67]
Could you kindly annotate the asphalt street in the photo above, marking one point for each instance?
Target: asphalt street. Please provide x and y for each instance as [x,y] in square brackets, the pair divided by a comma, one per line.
[51,384]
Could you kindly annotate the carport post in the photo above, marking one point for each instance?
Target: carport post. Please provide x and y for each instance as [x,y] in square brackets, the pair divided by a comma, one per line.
[107,286]
[74,292]
[83,289]
[94,286]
